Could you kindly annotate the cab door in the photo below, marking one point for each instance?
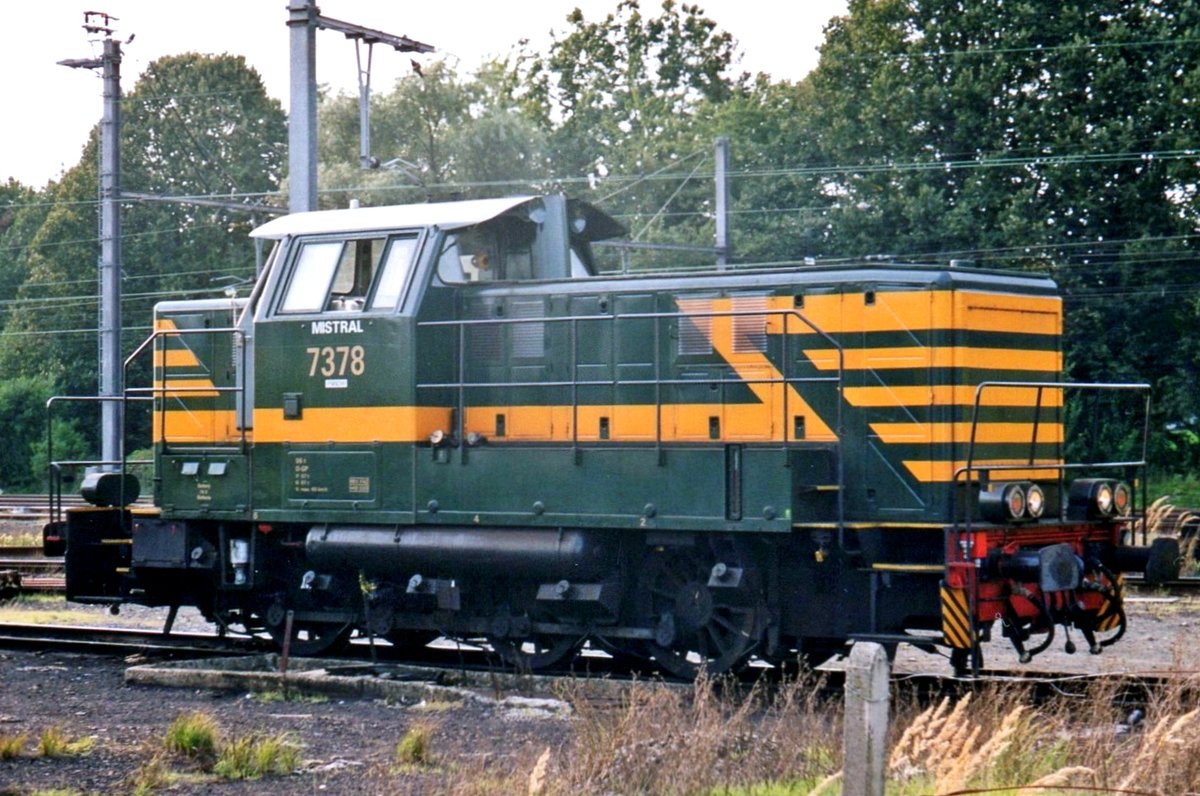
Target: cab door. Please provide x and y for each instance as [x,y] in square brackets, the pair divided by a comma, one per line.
[334,400]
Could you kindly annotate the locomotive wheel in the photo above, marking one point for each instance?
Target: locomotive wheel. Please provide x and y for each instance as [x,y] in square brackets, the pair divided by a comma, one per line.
[536,653]
[309,637]
[705,605]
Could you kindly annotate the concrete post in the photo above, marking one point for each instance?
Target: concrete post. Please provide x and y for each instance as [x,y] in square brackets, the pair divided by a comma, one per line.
[865,733]
[302,116]
[111,372]
[721,178]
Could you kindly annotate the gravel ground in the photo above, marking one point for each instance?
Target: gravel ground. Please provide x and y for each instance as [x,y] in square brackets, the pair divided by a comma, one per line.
[349,746]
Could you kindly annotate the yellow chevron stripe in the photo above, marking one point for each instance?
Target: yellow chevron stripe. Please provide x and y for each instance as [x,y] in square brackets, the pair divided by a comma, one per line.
[921,310]
[932,433]
[889,396]
[207,426]
[826,359]
[956,618]
[187,388]
[751,365]
[176,358]
[943,471]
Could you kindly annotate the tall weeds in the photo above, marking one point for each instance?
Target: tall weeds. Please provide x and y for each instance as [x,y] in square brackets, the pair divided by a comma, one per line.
[712,738]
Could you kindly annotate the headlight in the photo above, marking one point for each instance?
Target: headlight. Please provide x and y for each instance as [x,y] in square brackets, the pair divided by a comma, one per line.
[1122,499]
[1098,499]
[1002,503]
[1035,501]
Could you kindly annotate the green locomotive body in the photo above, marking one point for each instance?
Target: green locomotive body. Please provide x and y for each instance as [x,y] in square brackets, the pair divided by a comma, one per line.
[438,419]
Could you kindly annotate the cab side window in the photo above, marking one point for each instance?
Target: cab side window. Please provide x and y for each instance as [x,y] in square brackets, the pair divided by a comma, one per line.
[349,276]
[355,272]
[500,249]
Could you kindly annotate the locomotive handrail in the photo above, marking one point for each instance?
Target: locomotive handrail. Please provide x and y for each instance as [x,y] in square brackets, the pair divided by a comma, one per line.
[239,336]
[54,474]
[970,467]
[461,385]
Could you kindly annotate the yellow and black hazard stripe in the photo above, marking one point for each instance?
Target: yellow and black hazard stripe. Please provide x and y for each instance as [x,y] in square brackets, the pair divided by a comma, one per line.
[1109,616]
[956,618]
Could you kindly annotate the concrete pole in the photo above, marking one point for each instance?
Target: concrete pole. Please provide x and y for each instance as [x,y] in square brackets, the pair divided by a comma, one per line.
[364,105]
[111,375]
[866,724]
[721,179]
[302,118]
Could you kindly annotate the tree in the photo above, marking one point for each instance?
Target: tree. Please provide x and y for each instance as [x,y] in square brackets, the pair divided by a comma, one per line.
[194,124]
[23,457]
[1015,134]
[623,98]
[437,136]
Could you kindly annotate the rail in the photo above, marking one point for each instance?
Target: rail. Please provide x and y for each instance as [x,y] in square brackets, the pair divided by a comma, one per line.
[461,386]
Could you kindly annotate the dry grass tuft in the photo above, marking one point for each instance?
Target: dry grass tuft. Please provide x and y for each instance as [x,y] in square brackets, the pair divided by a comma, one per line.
[537,778]
[12,746]
[415,748]
[53,742]
[668,740]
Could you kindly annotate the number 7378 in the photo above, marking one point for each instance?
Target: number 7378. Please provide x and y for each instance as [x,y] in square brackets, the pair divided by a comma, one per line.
[336,360]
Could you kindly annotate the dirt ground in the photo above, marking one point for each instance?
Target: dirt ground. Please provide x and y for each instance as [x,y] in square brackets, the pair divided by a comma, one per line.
[349,746]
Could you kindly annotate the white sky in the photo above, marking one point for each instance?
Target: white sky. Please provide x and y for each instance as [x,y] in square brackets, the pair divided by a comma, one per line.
[50,108]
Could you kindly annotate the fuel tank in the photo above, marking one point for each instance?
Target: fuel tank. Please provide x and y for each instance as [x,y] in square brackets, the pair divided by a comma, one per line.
[457,551]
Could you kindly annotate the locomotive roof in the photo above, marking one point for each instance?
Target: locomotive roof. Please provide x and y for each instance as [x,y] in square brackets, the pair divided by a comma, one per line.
[447,215]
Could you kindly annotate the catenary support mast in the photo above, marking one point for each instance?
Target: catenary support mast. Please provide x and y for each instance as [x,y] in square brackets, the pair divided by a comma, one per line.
[111,376]
[304,18]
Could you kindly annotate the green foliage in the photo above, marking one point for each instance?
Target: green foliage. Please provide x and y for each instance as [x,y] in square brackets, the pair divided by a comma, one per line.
[1182,490]
[1014,137]
[1060,141]
[23,459]
[194,124]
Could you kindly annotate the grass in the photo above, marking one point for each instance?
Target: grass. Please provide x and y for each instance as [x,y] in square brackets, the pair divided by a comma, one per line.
[197,737]
[717,740]
[194,735]
[12,746]
[53,742]
[20,539]
[272,696]
[1158,520]
[254,756]
[414,748]
[1184,490]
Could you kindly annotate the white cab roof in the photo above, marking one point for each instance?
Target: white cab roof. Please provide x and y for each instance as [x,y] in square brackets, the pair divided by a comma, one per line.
[447,215]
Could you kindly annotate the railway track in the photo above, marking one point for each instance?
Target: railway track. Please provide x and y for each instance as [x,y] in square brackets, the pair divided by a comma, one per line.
[473,663]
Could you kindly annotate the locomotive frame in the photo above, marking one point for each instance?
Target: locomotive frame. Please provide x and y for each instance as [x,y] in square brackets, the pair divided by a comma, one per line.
[440,420]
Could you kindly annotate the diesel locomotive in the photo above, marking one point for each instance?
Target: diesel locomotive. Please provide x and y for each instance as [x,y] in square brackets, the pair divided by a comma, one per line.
[443,420]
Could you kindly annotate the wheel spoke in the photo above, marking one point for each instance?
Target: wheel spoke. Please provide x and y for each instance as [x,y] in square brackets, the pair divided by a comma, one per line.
[716,628]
